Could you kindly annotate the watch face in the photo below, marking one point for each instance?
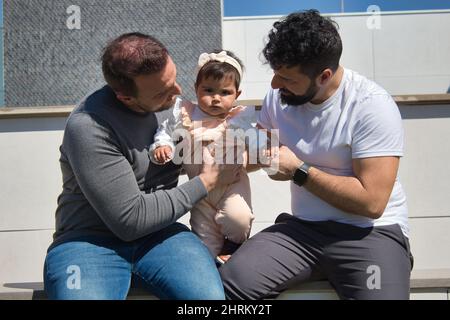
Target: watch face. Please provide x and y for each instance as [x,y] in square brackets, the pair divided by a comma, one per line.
[300,177]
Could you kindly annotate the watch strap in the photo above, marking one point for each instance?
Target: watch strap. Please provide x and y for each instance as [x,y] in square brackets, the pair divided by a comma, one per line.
[305,167]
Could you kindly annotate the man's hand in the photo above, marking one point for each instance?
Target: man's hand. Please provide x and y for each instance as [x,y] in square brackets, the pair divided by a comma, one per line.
[283,163]
[163,154]
[214,174]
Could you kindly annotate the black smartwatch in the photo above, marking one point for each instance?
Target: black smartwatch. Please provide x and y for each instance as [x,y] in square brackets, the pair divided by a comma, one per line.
[301,174]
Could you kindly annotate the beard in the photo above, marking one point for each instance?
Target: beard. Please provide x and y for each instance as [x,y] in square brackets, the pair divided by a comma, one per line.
[167,105]
[287,97]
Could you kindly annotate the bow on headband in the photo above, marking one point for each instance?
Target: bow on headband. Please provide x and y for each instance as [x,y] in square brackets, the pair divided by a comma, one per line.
[221,57]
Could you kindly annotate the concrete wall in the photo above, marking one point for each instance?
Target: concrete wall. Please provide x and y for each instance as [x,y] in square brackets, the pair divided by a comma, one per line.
[2,89]
[31,181]
[51,59]
[408,54]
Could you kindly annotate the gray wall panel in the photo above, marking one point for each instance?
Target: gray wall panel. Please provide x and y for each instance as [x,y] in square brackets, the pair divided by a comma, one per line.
[48,64]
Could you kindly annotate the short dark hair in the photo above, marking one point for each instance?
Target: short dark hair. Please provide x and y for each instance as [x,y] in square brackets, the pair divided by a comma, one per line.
[304,39]
[219,70]
[131,55]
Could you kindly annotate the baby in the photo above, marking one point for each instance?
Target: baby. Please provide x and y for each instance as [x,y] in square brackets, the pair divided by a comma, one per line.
[223,219]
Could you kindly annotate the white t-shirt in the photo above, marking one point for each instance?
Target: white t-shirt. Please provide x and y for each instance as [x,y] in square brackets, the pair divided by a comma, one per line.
[359,120]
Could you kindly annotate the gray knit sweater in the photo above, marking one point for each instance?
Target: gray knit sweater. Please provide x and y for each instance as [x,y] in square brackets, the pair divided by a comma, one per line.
[110,186]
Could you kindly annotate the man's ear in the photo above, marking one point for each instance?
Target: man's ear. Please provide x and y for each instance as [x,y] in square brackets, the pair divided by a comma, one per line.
[125,99]
[325,76]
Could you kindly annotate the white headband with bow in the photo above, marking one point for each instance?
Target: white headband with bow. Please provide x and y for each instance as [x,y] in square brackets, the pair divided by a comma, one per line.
[221,57]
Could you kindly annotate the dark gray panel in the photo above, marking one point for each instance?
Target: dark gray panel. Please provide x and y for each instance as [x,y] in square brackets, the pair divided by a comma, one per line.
[48,64]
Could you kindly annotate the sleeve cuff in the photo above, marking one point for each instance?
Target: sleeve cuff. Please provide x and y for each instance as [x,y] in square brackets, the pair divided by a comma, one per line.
[195,189]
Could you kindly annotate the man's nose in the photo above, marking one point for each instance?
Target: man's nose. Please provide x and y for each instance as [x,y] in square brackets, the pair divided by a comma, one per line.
[177,89]
[276,83]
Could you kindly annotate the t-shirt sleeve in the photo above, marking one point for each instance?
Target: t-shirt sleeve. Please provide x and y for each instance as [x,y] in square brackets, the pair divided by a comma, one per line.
[264,116]
[108,183]
[377,129]
[164,134]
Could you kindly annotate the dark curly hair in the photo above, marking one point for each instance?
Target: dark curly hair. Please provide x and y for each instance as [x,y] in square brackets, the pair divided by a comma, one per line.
[304,39]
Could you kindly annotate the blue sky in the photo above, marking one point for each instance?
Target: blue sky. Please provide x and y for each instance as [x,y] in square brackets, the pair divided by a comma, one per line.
[234,8]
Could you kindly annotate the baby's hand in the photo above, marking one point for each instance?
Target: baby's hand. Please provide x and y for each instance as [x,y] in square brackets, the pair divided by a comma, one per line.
[163,154]
[269,160]
[267,155]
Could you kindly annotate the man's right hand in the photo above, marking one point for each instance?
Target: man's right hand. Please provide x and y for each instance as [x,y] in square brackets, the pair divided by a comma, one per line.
[213,174]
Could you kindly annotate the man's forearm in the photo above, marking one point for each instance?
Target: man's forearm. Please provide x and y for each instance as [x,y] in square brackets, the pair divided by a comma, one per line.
[343,192]
[365,194]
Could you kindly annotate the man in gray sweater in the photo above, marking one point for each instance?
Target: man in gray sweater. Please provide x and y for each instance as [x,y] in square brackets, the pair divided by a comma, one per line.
[117,213]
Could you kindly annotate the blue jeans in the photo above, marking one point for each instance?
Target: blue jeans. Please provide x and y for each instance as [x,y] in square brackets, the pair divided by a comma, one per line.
[172,264]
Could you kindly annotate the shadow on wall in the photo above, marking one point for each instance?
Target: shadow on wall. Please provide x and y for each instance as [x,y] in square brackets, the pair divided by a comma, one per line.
[424,111]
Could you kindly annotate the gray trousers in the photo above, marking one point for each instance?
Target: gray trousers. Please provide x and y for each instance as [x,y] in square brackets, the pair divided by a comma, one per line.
[360,263]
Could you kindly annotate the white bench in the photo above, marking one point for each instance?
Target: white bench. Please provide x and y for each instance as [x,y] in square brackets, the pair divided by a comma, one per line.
[425,284]
[30,182]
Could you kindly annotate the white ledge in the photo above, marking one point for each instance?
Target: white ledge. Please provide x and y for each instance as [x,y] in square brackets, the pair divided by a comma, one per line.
[64,111]
[420,279]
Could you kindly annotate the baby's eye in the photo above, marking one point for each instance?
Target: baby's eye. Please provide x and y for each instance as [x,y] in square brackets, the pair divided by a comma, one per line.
[209,90]
[226,92]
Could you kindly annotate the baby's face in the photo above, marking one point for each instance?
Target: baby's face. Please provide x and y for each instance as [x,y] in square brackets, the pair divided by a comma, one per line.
[216,97]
